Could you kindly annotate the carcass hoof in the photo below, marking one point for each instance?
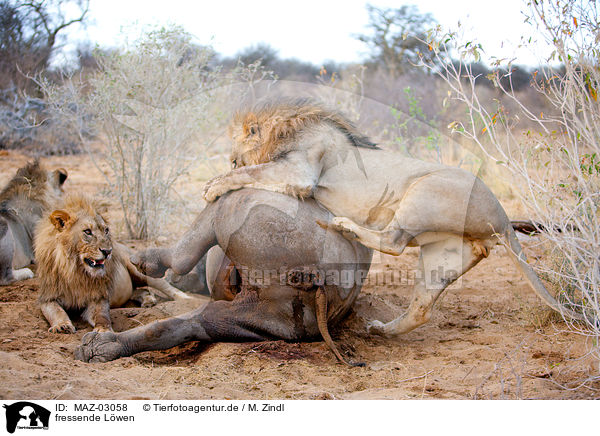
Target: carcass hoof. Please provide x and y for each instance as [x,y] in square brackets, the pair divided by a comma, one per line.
[99,347]
[148,263]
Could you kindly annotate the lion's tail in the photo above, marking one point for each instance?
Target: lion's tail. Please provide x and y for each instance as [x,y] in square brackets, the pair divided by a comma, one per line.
[516,252]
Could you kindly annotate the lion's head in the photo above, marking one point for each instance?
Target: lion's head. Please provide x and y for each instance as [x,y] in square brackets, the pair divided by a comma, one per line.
[261,133]
[247,139]
[84,234]
[74,249]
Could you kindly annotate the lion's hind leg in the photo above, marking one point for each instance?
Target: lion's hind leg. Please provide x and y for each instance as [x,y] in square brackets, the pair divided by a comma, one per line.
[441,263]
[22,274]
[387,241]
[7,274]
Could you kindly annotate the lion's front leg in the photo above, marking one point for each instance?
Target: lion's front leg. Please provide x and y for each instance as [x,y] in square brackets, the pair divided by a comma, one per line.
[97,314]
[220,185]
[57,317]
[292,175]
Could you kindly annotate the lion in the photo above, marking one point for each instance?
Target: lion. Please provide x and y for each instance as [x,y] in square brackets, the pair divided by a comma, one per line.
[22,201]
[384,200]
[80,267]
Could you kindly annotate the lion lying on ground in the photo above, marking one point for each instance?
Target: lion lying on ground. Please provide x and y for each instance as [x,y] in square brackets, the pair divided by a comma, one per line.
[79,267]
[384,200]
[22,202]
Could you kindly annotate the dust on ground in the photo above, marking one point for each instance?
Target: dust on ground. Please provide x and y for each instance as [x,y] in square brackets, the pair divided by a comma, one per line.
[487,338]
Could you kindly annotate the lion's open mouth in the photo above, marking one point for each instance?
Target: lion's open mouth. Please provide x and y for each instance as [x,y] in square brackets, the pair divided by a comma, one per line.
[95,263]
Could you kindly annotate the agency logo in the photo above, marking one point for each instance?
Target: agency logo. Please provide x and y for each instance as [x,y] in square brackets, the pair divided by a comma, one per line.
[26,415]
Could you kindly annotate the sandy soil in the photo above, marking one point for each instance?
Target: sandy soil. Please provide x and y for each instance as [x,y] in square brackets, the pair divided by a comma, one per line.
[485,340]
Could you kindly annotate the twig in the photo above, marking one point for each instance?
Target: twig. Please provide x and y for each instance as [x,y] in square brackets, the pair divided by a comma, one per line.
[416,378]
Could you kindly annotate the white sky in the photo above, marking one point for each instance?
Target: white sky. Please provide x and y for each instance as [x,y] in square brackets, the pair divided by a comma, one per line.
[310,30]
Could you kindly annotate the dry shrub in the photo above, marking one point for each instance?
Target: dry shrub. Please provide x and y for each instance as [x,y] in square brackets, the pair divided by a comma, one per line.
[27,125]
[155,108]
[555,166]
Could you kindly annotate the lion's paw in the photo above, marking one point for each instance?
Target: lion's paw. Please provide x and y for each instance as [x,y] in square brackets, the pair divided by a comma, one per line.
[99,347]
[148,263]
[376,327]
[344,226]
[214,188]
[341,221]
[23,274]
[64,327]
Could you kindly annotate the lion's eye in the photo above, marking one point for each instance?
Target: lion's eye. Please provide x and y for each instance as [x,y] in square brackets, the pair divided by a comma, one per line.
[253,130]
[234,163]
[88,232]
[106,231]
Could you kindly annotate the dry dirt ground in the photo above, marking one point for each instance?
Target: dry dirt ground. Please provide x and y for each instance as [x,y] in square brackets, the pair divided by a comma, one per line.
[483,341]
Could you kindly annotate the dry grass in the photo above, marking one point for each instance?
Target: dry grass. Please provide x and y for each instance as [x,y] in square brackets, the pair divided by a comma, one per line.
[556,165]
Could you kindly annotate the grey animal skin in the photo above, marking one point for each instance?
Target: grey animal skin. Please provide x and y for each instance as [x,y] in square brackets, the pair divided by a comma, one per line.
[283,277]
[193,282]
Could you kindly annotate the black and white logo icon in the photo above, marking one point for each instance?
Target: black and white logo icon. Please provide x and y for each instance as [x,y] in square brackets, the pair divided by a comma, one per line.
[26,415]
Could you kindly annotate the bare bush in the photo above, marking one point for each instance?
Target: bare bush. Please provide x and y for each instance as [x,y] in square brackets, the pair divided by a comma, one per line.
[556,165]
[26,124]
[153,108]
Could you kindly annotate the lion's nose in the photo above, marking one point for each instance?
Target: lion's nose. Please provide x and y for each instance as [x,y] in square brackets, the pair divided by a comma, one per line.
[106,252]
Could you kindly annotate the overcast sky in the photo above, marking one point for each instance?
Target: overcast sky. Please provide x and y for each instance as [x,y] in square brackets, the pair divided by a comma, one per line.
[309,30]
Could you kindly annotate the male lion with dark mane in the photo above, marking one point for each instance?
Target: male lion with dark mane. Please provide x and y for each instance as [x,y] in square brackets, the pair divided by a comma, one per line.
[22,201]
[384,200]
[80,267]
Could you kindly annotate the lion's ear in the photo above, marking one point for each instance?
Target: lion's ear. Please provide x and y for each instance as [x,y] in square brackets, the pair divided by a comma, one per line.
[101,207]
[59,218]
[251,118]
[60,175]
[250,125]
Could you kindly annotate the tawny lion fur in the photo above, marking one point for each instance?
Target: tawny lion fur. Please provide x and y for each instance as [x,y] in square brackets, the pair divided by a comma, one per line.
[22,201]
[382,199]
[80,267]
[278,124]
